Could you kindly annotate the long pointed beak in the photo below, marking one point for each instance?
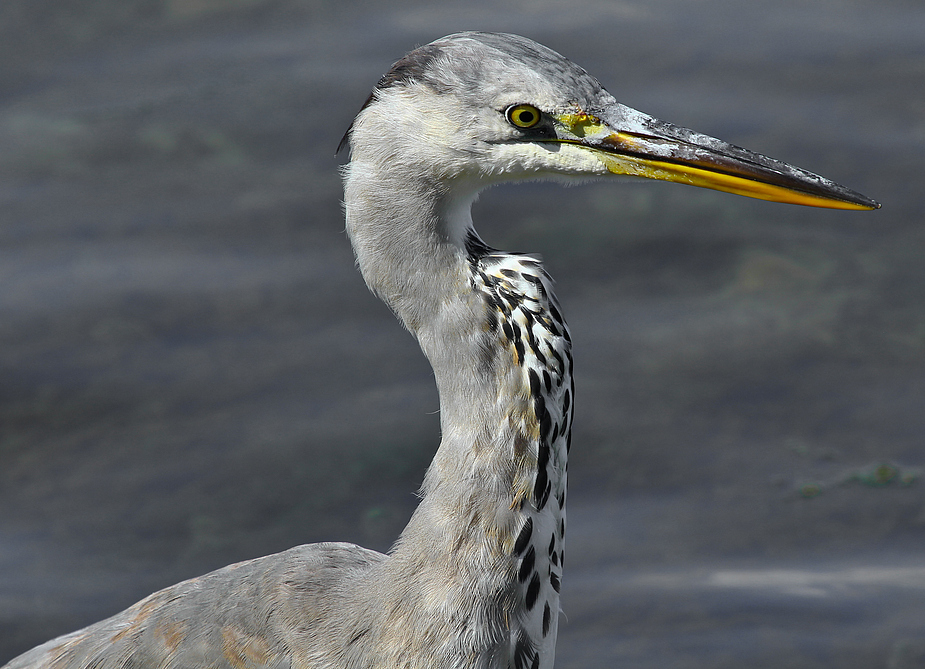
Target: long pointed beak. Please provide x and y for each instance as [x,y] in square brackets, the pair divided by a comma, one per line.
[629,142]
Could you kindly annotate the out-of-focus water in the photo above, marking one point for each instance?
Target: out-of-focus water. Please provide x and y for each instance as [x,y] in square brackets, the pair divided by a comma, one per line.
[192,372]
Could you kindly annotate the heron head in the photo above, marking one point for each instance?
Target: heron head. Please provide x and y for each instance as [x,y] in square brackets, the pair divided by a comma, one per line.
[486,107]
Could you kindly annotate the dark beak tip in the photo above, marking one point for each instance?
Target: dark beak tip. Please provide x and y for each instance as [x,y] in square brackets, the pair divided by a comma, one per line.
[868,203]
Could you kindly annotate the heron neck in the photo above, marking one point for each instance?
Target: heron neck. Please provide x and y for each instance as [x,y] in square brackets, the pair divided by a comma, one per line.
[500,353]
[409,240]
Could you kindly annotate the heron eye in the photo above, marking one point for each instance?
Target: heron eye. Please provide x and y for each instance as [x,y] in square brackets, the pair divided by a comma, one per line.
[523,116]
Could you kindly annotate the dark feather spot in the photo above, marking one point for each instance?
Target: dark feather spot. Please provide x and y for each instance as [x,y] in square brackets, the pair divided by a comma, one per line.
[540,358]
[545,424]
[526,565]
[531,340]
[552,544]
[555,313]
[534,383]
[546,617]
[523,539]
[545,497]
[533,591]
[519,347]
[539,408]
[542,479]
[554,579]
[542,458]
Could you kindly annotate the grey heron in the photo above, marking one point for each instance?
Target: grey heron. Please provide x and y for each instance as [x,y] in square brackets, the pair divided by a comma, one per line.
[474,579]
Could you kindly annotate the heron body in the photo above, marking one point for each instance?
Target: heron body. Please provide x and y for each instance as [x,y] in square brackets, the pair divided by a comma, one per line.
[474,579]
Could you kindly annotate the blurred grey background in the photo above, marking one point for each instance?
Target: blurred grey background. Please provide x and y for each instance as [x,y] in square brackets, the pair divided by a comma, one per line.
[192,372]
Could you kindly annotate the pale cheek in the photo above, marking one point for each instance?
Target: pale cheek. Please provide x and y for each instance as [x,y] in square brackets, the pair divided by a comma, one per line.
[538,160]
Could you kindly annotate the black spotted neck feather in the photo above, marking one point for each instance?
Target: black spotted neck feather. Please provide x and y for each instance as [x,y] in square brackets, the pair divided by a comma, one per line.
[476,573]
[523,314]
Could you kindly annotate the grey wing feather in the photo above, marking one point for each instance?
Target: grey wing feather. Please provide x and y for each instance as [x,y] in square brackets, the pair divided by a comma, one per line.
[273,612]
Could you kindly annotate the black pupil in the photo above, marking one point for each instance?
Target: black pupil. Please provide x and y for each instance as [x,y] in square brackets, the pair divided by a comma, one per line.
[525,116]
